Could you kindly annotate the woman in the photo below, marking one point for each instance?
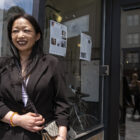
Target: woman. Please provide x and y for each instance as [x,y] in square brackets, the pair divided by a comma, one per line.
[135,90]
[44,81]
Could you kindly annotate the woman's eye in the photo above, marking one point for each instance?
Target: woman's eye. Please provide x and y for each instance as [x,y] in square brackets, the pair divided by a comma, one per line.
[27,31]
[15,31]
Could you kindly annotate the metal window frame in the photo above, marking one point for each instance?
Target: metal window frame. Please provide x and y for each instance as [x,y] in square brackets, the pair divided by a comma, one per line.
[39,12]
[112,58]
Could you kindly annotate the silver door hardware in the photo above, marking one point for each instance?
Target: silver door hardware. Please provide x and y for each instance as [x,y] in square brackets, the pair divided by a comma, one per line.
[104,70]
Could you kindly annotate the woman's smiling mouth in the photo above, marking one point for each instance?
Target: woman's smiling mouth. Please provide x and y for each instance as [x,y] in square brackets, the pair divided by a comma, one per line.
[22,42]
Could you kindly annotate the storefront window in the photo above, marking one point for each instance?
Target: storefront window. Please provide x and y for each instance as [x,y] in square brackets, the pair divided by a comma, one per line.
[73,34]
[130,74]
[7,8]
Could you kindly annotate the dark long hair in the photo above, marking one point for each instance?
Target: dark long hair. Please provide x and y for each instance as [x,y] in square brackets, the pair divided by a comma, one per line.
[37,50]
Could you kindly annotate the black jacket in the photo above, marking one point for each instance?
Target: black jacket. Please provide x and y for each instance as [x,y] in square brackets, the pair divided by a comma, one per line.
[46,87]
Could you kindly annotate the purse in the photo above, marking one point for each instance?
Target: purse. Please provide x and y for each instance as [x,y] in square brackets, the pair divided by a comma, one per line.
[50,130]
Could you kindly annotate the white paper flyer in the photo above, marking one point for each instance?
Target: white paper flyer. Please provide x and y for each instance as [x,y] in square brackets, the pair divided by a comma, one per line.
[85,47]
[58,38]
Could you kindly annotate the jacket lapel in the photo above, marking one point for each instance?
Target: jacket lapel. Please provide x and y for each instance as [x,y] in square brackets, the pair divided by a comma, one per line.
[36,75]
[16,84]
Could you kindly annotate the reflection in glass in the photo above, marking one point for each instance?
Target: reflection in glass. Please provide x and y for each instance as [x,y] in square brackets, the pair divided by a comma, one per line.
[136,20]
[77,25]
[27,5]
[136,38]
[82,76]
[133,20]
[130,76]
[129,20]
[130,39]
[8,8]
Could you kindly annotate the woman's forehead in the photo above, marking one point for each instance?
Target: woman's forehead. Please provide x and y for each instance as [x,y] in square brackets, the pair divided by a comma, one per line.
[21,22]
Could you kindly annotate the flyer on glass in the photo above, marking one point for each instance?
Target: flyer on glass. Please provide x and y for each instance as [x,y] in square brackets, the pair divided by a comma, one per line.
[58,38]
[85,47]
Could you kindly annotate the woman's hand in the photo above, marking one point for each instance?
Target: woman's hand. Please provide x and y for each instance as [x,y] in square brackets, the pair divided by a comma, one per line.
[29,121]
[62,133]
[59,138]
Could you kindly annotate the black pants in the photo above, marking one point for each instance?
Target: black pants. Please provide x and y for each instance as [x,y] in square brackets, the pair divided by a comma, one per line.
[17,133]
[137,104]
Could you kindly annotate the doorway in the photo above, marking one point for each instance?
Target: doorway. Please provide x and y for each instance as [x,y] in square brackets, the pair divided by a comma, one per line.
[130,74]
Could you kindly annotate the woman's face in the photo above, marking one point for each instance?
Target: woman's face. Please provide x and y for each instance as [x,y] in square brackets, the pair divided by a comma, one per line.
[24,35]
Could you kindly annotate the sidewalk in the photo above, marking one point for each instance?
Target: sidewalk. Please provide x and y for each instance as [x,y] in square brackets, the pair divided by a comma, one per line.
[132,128]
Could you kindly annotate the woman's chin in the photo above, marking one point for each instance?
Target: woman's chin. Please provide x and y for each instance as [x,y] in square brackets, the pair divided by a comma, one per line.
[24,48]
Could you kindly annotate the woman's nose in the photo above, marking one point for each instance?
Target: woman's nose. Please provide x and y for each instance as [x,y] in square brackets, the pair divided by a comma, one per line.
[21,34]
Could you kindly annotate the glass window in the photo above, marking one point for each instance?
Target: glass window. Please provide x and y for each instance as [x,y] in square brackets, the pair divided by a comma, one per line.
[130,76]
[136,38]
[7,8]
[133,20]
[73,34]
[132,58]
[129,20]
[133,39]
[136,20]
[130,38]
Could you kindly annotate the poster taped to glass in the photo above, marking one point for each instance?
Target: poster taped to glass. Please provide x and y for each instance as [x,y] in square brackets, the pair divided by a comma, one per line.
[58,38]
[85,47]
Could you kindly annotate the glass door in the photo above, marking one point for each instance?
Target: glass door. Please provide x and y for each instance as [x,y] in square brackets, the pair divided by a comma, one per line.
[73,34]
[130,75]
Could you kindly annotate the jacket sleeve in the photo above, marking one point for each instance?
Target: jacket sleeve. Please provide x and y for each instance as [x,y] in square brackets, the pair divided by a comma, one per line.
[61,96]
[3,108]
